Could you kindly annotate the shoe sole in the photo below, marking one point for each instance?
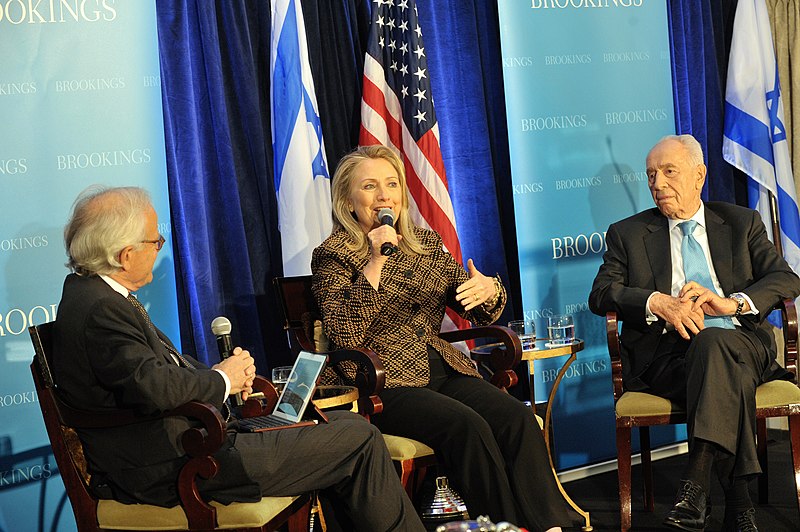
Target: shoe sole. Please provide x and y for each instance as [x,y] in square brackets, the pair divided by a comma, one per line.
[672,524]
[678,526]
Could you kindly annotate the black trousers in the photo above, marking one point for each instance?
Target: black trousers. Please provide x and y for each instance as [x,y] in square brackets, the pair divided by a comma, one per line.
[346,457]
[715,376]
[489,443]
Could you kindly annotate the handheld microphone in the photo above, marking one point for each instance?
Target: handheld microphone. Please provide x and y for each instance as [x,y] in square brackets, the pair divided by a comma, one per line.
[386,217]
[221,328]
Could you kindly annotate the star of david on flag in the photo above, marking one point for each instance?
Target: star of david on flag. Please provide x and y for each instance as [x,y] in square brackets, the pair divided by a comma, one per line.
[302,180]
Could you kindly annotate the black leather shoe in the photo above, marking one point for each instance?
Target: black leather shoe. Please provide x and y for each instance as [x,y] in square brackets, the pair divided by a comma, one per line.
[690,509]
[743,522]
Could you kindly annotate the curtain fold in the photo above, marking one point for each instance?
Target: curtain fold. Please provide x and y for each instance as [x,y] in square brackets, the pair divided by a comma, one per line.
[698,88]
[213,146]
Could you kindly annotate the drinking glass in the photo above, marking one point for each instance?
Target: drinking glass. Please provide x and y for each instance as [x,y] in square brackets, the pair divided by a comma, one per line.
[280,375]
[526,330]
[561,329]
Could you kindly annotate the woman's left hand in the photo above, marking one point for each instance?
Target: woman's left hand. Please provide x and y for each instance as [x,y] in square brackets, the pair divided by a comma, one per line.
[477,290]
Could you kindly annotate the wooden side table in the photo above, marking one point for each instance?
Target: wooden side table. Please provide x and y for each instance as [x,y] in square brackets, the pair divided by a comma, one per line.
[542,349]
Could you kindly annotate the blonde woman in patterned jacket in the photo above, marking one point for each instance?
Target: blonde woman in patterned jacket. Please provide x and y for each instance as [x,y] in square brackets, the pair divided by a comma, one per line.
[488,442]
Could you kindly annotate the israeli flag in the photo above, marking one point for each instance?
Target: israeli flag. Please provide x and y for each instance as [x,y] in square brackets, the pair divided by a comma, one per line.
[755,137]
[302,181]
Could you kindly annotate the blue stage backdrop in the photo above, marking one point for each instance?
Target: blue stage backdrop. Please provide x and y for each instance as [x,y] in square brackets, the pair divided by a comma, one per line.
[588,92]
[80,101]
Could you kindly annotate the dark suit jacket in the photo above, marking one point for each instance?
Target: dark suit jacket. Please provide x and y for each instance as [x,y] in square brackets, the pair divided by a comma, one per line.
[637,263]
[107,358]
[403,317]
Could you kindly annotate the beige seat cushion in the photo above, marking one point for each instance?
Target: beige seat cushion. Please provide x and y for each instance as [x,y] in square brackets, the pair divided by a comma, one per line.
[401,448]
[769,394]
[114,515]
[777,393]
[644,404]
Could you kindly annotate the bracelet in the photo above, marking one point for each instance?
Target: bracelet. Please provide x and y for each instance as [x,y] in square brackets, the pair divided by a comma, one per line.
[491,303]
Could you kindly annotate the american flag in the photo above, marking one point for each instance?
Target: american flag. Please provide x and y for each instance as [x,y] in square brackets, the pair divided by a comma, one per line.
[397,111]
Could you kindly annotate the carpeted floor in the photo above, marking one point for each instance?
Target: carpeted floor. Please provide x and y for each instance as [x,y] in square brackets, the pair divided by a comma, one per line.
[599,494]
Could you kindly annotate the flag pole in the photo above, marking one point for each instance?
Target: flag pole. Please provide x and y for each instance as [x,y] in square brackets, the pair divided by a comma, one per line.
[776,223]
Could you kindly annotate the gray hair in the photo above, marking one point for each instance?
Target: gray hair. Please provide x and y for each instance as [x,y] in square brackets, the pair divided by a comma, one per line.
[104,221]
[693,148]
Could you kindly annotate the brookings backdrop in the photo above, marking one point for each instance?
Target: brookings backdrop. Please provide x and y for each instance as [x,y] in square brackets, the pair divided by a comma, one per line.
[80,101]
[588,92]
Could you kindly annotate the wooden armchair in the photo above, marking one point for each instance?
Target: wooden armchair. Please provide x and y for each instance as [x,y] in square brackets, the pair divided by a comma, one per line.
[93,514]
[642,410]
[304,329]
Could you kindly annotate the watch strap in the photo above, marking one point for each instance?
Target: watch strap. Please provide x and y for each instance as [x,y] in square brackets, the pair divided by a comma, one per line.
[739,298]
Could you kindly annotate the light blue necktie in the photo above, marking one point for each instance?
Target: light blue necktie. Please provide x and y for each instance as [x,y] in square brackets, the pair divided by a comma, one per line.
[695,268]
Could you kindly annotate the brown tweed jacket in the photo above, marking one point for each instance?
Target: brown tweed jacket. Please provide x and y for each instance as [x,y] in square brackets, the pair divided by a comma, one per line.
[400,319]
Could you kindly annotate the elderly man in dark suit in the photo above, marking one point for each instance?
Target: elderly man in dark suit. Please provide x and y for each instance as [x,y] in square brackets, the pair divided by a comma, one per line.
[109,355]
[693,283]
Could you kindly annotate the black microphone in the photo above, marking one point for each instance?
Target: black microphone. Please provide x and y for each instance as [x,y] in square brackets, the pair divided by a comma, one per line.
[386,217]
[221,327]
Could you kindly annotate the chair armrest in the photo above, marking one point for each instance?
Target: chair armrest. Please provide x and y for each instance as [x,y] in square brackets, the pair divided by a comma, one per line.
[612,337]
[503,361]
[200,443]
[789,317]
[264,405]
[365,369]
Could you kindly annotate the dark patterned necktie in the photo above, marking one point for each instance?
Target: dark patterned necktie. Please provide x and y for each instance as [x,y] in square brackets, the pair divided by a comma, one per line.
[695,268]
[182,361]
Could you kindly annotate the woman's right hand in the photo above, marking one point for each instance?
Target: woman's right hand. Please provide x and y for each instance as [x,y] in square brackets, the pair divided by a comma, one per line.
[377,237]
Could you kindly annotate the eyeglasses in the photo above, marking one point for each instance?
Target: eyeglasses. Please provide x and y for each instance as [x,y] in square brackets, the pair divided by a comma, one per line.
[159,243]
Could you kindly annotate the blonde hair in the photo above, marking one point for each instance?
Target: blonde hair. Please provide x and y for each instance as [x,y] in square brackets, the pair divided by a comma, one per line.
[346,220]
[104,221]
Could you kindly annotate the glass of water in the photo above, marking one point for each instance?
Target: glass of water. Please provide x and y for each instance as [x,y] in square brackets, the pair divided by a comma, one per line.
[526,330]
[561,329]
[280,375]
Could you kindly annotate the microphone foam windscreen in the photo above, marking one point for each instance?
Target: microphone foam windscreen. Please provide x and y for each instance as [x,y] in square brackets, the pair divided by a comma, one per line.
[386,212]
[220,326]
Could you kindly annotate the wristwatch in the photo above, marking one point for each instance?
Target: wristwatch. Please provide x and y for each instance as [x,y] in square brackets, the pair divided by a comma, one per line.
[739,298]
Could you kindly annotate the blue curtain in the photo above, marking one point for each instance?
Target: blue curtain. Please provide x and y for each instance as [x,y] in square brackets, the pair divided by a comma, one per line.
[698,83]
[217,130]
[215,83]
